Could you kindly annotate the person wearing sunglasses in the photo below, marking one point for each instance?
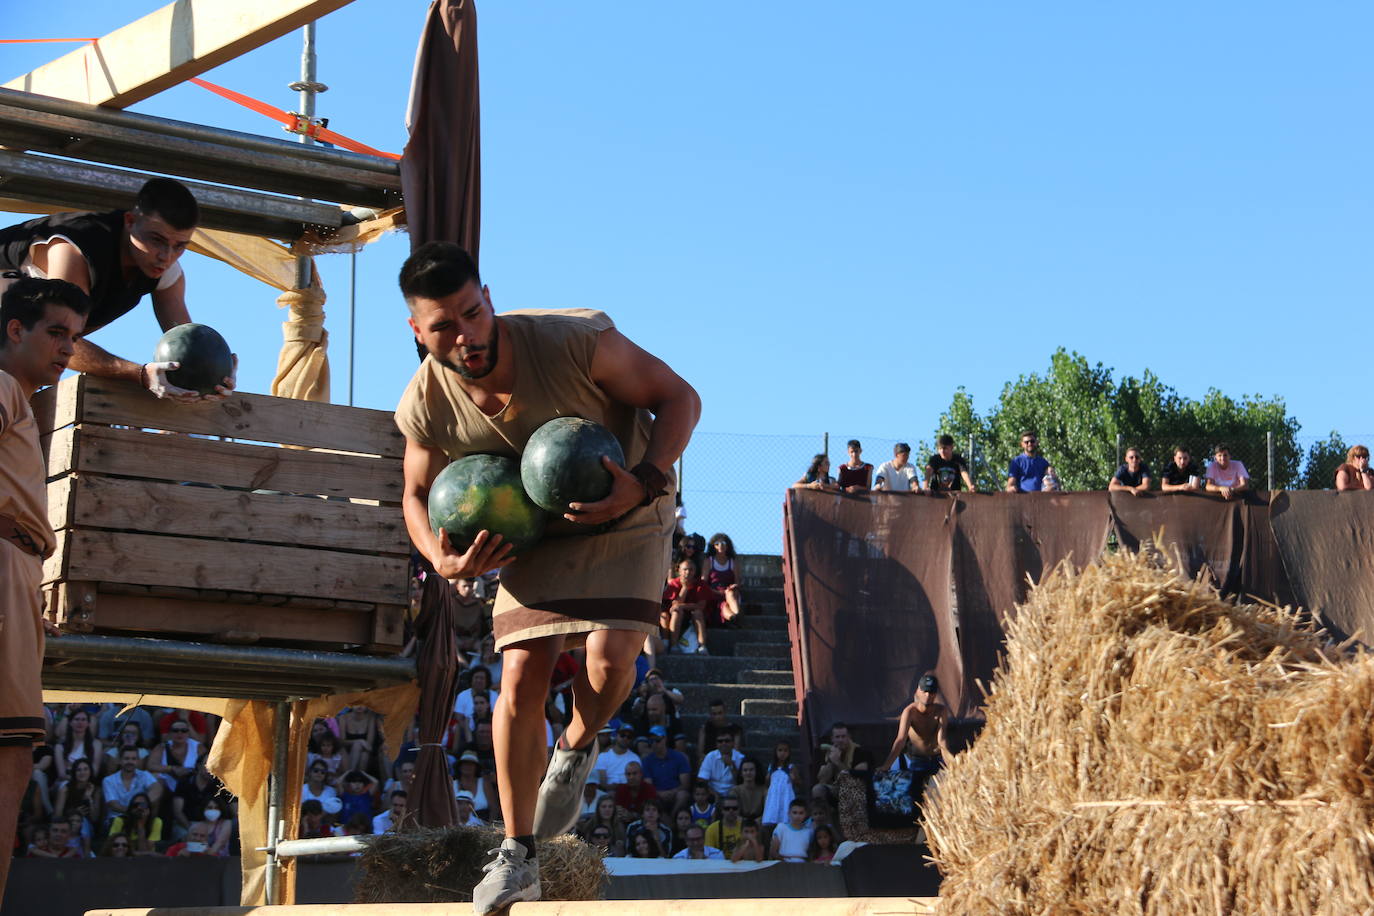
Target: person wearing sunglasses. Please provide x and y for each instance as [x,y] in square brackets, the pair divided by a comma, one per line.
[1026,473]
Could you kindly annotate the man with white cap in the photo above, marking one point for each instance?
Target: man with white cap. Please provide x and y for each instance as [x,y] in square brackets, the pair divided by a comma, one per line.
[467,815]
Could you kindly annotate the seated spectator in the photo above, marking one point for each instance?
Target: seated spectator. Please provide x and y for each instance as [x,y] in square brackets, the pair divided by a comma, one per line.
[317,784]
[479,685]
[361,732]
[402,774]
[197,723]
[359,794]
[688,548]
[481,786]
[471,616]
[724,833]
[723,576]
[946,470]
[78,742]
[687,598]
[1133,477]
[820,813]
[683,747]
[817,476]
[613,761]
[792,841]
[174,757]
[600,839]
[653,712]
[80,833]
[58,844]
[109,724]
[607,816]
[651,822]
[750,845]
[784,784]
[120,787]
[681,821]
[357,825]
[1355,473]
[489,659]
[750,792]
[696,846]
[702,809]
[670,700]
[591,796]
[144,830]
[129,736]
[37,846]
[393,819]
[191,795]
[841,756]
[1182,474]
[898,475]
[855,475]
[116,846]
[1225,475]
[634,792]
[313,824]
[467,814]
[79,793]
[219,819]
[44,776]
[197,843]
[720,768]
[668,770]
[718,724]
[822,844]
[1027,471]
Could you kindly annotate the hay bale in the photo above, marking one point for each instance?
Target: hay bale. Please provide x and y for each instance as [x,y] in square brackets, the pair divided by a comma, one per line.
[440,865]
[1151,748]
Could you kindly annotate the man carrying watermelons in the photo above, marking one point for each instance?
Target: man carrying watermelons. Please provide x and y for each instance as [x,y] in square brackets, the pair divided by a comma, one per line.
[40,323]
[487,384]
[116,257]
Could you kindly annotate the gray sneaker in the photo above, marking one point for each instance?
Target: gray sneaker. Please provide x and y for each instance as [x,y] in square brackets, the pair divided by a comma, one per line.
[560,796]
[510,877]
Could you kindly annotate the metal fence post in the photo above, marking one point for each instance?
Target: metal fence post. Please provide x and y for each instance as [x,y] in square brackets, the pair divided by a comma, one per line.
[825,444]
[1119,445]
[972,460]
[1269,450]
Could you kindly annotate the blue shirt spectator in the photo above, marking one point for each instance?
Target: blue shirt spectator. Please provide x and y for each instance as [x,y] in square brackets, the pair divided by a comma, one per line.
[1028,472]
[664,766]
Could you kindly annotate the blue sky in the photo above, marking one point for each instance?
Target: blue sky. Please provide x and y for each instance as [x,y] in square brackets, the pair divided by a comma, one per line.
[827,217]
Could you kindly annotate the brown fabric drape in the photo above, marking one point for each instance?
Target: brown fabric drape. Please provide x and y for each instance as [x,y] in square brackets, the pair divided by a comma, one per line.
[437,665]
[1326,540]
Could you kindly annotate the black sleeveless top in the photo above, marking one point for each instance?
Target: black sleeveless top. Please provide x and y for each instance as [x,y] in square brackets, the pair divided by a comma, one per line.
[97,236]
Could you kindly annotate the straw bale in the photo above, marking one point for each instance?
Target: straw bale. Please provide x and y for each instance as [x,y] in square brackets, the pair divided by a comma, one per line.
[1151,748]
[440,865]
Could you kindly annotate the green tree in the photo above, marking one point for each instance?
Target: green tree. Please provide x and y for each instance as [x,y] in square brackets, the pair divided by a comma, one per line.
[1323,457]
[1081,415]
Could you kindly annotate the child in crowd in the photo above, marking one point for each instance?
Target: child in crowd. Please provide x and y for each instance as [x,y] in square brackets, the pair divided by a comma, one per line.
[792,841]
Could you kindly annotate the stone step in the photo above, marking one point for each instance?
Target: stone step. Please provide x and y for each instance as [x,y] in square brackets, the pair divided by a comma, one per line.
[755,622]
[772,677]
[772,649]
[751,707]
[717,668]
[725,641]
[699,696]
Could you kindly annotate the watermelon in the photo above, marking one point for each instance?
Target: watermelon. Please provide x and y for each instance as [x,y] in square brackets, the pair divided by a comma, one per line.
[562,463]
[483,492]
[205,357]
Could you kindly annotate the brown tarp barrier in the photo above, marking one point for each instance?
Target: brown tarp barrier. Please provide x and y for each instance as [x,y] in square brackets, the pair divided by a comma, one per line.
[1326,540]
[437,661]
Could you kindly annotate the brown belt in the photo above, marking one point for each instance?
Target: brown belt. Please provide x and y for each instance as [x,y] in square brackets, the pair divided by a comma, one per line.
[13,532]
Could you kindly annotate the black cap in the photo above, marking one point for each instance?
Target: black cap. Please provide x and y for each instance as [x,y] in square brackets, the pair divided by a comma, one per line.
[929,684]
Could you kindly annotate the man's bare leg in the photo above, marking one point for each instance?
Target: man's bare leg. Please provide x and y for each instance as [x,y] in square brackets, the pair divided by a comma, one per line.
[517,728]
[603,683]
[16,766]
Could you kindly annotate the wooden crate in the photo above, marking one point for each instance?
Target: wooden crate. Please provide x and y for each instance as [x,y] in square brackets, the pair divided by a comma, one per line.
[291,533]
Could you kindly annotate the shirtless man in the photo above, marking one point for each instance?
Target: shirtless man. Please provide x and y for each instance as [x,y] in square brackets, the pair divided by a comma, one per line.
[922,728]
[116,257]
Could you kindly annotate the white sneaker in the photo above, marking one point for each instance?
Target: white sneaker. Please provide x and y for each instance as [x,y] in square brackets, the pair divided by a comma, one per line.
[560,794]
[510,877]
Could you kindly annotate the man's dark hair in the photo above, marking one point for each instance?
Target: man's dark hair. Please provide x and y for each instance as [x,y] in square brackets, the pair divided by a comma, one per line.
[437,269]
[1028,432]
[401,792]
[652,803]
[853,443]
[901,448]
[128,750]
[842,725]
[1221,447]
[311,806]
[1184,449]
[749,824]
[946,439]
[27,300]
[169,199]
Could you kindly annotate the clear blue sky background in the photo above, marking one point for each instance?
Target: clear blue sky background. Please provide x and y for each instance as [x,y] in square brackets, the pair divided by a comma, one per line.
[828,216]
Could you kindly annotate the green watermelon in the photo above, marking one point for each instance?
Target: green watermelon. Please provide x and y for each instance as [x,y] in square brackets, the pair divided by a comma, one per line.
[205,357]
[483,492]
[562,463]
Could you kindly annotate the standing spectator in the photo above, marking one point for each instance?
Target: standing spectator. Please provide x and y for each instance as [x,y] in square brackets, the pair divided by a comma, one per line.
[792,841]
[898,475]
[467,814]
[720,768]
[78,743]
[116,846]
[197,843]
[393,819]
[717,724]
[750,792]
[1226,475]
[472,616]
[817,476]
[696,846]
[360,731]
[651,822]
[634,792]
[946,470]
[175,756]
[668,770]
[1134,476]
[856,475]
[724,833]
[822,844]
[784,784]
[1182,474]
[79,793]
[129,736]
[839,758]
[219,821]
[750,845]
[722,576]
[317,783]
[121,787]
[138,822]
[613,761]
[1027,471]
[1355,473]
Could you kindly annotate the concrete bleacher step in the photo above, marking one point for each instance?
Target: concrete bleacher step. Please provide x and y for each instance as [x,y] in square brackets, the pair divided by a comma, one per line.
[701,669]
[769,707]
[761,622]
[770,677]
[699,696]
[781,649]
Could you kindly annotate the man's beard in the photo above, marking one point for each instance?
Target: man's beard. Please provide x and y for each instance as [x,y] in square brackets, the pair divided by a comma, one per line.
[492,350]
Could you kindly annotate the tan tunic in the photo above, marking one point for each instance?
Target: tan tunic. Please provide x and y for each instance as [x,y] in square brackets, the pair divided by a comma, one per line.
[572,582]
[23,498]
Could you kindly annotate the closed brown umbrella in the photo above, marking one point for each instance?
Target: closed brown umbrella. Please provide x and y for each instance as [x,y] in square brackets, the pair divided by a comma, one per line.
[436,661]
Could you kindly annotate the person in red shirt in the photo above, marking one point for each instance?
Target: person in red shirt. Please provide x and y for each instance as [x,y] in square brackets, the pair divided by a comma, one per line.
[634,791]
[197,842]
[686,598]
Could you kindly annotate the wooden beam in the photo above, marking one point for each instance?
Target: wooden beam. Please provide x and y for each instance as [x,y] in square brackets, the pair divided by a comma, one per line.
[183,39]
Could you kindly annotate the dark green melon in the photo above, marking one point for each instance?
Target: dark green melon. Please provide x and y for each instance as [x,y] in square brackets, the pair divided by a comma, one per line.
[205,357]
[562,463]
[483,492]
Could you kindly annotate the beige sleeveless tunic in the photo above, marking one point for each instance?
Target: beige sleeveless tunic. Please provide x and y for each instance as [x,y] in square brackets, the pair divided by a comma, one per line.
[572,582]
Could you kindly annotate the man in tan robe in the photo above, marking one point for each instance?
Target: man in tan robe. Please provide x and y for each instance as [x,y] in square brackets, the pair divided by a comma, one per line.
[487,384]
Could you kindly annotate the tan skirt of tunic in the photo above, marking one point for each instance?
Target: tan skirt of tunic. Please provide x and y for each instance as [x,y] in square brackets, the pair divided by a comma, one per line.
[21,648]
[572,585]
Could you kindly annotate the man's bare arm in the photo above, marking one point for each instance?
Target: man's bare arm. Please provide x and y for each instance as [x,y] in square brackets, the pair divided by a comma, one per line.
[903,726]
[421,465]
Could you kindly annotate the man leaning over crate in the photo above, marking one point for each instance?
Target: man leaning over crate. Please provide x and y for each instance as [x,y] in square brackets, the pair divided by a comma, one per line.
[487,384]
[40,322]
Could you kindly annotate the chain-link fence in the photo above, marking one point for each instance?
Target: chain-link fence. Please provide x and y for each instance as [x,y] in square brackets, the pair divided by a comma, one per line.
[734,482]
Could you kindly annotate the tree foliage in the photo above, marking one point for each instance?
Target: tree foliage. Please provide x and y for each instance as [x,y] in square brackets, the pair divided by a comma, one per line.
[1081,414]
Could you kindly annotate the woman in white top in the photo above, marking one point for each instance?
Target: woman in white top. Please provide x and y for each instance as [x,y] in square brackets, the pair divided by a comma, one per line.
[78,743]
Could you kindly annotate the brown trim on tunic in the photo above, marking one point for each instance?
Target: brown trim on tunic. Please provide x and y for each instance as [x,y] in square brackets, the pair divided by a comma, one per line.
[575,615]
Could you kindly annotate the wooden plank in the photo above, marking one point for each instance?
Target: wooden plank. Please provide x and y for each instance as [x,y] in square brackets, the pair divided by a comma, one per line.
[134,453]
[255,417]
[388,628]
[146,559]
[128,613]
[72,605]
[166,47]
[90,501]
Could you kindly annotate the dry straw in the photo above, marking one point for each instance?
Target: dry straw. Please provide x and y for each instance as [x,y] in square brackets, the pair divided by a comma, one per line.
[441,865]
[1151,748]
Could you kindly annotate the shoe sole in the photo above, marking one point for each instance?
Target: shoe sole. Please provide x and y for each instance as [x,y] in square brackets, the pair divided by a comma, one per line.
[524,895]
[544,829]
